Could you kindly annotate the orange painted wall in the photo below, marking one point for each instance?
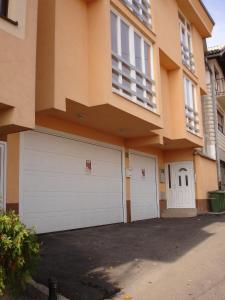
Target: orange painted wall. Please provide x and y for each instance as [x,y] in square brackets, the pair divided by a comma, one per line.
[168,40]
[167,111]
[178,155]
[71,51]
[12,190]
[17,72]
[199,58]
[74,62]
[78,35]
[206,176]
[45,55]
[76,129]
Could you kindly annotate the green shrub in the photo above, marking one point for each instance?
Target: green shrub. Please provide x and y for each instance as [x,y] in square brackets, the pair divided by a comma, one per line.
[19,253]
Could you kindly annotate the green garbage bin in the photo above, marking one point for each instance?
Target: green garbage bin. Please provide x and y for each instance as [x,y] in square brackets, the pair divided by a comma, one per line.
[217,201]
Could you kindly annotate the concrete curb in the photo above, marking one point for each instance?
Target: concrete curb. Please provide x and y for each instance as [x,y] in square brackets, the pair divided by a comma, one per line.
[44,290]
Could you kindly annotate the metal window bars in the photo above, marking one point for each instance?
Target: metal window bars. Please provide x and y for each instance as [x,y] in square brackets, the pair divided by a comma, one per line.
[131,82]
[220,86]
[187,57]
[142,9]
[192,120]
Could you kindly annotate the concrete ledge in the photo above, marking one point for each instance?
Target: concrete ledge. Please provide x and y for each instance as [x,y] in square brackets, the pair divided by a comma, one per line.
[44,290]
[179,213]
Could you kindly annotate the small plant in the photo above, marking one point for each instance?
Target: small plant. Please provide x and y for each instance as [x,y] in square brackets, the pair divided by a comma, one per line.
[19,253]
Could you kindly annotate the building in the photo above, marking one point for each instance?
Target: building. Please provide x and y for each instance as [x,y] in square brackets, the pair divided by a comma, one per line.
[216,61]
[101,112]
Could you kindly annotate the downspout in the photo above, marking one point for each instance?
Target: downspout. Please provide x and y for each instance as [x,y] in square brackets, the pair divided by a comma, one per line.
[215,123]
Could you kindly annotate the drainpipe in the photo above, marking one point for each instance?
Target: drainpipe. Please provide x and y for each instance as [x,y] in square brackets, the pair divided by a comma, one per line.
[215,119]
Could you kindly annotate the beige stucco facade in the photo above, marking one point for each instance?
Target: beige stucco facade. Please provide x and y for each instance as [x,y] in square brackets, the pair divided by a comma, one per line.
[63,81]
[216,135]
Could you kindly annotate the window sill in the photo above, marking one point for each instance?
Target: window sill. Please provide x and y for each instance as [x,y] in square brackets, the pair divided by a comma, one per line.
[115,91]
[192,70]
[15,23]
[194,133]
[192,75]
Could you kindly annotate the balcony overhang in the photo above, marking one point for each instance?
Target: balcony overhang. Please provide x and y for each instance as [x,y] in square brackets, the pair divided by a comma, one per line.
[167,62]
[197,14]
[153,140]
[182,143]
[9,122]
[105,118]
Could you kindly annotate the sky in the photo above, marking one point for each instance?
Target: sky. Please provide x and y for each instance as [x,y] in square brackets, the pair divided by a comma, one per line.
[216,9]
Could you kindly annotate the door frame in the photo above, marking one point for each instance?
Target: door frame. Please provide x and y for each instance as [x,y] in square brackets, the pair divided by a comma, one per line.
[135,152]
[65,135]
[3,145]
[166,173]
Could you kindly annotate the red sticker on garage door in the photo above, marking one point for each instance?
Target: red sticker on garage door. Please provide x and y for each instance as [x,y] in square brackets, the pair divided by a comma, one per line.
[88,166]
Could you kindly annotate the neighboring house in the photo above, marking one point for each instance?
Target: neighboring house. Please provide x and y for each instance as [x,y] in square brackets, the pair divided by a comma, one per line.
[112,130]
[216,61]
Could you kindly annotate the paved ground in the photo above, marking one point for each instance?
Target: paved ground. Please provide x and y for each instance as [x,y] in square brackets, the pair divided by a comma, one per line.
[148,260]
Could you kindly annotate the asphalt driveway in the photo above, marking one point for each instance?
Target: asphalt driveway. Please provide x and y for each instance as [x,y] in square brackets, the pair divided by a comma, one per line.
[154,259]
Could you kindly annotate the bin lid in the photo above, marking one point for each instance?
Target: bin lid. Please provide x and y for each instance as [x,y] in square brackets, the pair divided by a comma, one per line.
[217,192]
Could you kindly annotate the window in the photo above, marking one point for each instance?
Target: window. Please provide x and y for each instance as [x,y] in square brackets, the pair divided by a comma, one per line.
[219,83]
[141,8]
[4,8]
[192,122]
[220,121]
[132,66]
[186,43]
[4,12]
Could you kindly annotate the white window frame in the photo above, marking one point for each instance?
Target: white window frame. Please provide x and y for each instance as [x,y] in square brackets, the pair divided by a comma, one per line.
[15,22]
[148,84]
[186,45]
[191,109]
[142,9]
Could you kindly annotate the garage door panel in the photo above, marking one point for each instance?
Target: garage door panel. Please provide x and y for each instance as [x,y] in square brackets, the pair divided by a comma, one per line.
[141,200]
[144,214]
[56,184]
[60,184]
[66,147]
[40,202]
[76,219]
[45,161]
[47,181]
[143,187]
[67,164]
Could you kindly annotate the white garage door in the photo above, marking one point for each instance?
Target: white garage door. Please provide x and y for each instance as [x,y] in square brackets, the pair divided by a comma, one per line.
[69,184]
[143,187]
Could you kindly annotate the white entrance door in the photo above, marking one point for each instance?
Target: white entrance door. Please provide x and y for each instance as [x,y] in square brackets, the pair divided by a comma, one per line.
[180,185]
[143,187]
[67,183]
[2,174]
